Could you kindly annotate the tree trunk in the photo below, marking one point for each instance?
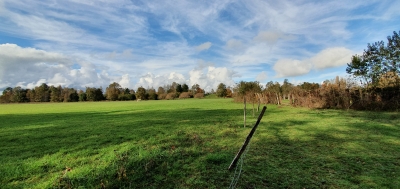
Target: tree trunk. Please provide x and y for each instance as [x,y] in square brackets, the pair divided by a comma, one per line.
[277,98]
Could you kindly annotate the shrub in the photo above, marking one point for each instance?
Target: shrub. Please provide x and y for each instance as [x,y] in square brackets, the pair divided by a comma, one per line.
[185,95]
[170,96]
[199,95]
[162,96]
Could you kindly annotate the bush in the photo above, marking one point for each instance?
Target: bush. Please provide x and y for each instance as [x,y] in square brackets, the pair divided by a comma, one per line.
[199,95]
[162,96]
[185,95]
[170,96]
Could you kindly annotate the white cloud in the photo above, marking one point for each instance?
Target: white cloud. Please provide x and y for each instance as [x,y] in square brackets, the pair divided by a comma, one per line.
[261,76]
[125,81]
[110,39]
[29,67]
[204,46]
[271,37]
[332,57]
[209,78]
[150,80]
[290,67]
[234,44]
[327,58]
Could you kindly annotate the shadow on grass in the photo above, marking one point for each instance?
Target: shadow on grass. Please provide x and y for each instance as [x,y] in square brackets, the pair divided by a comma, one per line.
[192,148]
[364,154]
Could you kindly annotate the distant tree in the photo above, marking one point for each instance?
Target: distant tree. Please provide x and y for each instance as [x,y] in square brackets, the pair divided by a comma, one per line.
[273,87]
[7,95]
[42,93]
[228,93]
[141,93]
[127,91]
[74,97]
[221,90]
[212,91]
[55,94]
[246,91]
[113,91]
[309,86]
[151,93]
[69,95]
[172,87]
[19,95]
[194,88]
[185,88]
[376,61]
[160,90]
[82,96]
[30,95]
[94,94]
[286,88]
[179,88]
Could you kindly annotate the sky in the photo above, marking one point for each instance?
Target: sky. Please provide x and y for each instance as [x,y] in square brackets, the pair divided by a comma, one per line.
[92,43]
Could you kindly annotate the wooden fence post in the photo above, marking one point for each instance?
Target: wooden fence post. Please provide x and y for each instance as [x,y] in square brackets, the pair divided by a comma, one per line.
[244,113]
[246,142]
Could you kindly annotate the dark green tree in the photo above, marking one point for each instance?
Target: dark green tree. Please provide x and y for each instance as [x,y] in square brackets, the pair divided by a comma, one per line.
[179,88]
[221,90]
[141,93]
[185,88]
[151,94]
[376,61]
[94,94]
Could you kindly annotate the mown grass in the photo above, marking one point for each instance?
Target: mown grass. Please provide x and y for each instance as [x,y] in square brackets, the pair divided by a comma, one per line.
[190,144]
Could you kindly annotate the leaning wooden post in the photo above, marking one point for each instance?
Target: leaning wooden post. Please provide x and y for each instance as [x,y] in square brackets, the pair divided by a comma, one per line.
[244,113]
[246,142]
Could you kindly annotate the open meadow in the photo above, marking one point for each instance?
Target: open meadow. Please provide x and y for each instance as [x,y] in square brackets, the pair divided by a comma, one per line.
[190,144]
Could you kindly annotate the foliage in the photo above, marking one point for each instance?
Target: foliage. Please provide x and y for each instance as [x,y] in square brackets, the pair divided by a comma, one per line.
[160,91]
[94,94]
[185,88]
[179,88]
[141,93]
[170,96]
[199,95]
[247,89]
[185,95]
[309,86]
[151,94]
[162,96]
[187,144]
[376,61]
[113,91]
[221,90]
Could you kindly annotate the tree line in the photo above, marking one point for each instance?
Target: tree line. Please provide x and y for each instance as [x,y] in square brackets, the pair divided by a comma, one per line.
[113,92]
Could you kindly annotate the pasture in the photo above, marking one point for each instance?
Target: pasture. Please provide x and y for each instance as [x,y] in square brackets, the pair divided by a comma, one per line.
[190,144]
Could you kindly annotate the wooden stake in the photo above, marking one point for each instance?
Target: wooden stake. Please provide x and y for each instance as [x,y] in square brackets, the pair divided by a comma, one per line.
[246,142]
[244,114]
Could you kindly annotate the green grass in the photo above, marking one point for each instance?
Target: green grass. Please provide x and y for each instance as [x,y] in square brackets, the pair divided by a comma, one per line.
[190,144]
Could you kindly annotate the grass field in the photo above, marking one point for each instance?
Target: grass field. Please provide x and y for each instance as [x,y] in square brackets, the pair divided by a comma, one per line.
[190,144]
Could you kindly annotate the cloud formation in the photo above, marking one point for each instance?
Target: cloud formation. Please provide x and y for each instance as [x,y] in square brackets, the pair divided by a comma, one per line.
[327,58]
[204,46]
[29,67]
[93,43]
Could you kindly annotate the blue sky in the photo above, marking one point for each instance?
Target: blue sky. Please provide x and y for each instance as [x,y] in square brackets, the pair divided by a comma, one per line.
[153,43]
